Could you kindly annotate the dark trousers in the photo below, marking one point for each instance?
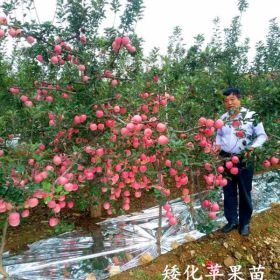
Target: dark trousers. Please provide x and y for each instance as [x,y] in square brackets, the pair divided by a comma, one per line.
[242,181]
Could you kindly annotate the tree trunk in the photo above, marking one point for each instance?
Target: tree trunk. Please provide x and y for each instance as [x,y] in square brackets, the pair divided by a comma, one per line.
[158,234]
[95,211]
[4,233]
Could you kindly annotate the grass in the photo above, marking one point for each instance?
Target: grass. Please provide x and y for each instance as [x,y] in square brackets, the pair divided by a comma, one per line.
[271,229]
[200,260]
[243,263]
[64,227]
[140,274]
[158,276]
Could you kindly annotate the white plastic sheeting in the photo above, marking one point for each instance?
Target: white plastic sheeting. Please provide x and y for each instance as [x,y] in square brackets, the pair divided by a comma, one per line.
[122,242]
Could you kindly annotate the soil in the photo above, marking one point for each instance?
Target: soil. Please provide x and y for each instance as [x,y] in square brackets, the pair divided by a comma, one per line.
[261,247]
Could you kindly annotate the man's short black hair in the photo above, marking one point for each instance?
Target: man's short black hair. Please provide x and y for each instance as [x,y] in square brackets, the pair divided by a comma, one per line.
[233,91]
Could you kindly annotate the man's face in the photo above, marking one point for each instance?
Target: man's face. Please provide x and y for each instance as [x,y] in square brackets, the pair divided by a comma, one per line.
[231,102]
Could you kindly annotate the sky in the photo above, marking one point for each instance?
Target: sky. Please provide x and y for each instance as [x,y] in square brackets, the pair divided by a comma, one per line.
[193,16]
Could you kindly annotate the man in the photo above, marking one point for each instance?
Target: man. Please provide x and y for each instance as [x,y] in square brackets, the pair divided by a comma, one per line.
[240,135]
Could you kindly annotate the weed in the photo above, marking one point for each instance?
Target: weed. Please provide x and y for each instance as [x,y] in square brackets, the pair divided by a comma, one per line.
[63,227]
[271,229]
[243,263]
[200,260]
[140,274]
[158,276]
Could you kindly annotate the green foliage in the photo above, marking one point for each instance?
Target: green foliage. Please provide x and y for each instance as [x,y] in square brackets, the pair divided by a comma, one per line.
[206,225]
[132,13]
[158,276]
[242,5]
[140,274]
[200,260]
[11,193]
[268,58]
[271,230]
[63,227]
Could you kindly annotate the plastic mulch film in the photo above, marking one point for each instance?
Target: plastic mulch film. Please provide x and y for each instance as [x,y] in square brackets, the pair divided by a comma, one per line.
[123,242]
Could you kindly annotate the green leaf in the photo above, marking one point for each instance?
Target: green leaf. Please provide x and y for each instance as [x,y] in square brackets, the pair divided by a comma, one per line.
[20,168]
[46,186]
[59,189]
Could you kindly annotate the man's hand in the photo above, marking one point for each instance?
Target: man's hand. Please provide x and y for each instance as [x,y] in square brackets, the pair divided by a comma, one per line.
[216,149]
[249,152]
